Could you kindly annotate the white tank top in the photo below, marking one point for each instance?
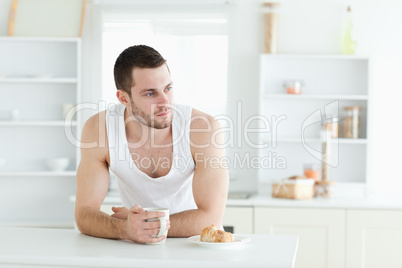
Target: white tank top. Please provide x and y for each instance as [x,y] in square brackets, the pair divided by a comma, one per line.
[174,190]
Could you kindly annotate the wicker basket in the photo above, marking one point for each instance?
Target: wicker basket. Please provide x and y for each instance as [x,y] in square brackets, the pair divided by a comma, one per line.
[294,189]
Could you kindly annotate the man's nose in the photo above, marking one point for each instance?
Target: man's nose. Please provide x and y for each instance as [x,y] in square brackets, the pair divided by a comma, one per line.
[163,99]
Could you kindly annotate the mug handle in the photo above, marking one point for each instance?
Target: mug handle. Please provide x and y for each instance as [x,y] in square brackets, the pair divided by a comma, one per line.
[163,226]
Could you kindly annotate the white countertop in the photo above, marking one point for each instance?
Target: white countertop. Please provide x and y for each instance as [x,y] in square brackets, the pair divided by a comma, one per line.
[63,247]
[347,196]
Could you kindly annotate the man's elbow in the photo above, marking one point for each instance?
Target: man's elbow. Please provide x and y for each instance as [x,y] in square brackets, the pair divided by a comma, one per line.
[212,216]
[80,220]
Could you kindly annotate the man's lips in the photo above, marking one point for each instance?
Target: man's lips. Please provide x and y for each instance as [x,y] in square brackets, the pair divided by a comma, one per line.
[163,114]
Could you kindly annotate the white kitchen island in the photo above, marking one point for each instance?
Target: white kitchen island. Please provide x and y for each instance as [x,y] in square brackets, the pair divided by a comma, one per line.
[36,247]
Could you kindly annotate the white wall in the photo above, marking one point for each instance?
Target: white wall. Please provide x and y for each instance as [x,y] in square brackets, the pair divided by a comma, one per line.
[243,83]
[4,9]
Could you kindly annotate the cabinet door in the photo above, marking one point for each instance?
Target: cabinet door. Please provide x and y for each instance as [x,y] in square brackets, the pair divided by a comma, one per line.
[321,233]
[374,238]
[238,220]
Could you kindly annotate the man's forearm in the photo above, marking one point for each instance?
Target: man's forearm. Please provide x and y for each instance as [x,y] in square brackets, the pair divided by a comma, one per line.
[191,222]
[93,222]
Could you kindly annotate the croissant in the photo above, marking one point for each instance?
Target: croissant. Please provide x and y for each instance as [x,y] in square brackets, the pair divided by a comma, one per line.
[211,234]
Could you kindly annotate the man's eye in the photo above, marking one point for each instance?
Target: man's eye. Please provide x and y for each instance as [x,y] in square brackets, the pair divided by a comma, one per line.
[168,89]
[149,94]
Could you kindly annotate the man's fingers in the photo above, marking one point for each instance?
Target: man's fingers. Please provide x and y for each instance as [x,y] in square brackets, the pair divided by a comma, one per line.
[137,209]
[117,209]
[153,215]
[151,232]
[151,239]
[152,225]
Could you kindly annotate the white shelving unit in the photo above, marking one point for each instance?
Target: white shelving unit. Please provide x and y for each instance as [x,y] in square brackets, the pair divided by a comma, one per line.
[316,140]
[36,123]
[38,174]
[331,82]
[315,97]
[38,80]
[38,76]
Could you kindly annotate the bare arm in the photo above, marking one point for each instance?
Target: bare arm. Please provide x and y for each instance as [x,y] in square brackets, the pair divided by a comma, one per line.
[92,186]
[210,182]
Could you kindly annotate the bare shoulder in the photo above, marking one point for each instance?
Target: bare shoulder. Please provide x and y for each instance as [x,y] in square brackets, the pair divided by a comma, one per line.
[94,126]
[203,130]
[202,120]
[94,136]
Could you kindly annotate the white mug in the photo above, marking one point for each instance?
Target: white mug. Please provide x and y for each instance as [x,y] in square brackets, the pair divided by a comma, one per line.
[162,230]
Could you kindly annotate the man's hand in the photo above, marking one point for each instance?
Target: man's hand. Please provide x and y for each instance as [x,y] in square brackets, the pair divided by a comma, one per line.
[139,230]
[120,212]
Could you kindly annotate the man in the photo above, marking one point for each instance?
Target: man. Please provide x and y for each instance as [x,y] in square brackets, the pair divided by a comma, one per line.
[161,153]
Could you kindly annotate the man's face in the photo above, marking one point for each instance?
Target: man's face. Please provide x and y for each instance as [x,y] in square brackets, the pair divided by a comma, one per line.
[153,95]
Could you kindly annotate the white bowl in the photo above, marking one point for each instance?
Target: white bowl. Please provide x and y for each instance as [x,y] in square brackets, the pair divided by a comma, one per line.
[2,163]
[58,164]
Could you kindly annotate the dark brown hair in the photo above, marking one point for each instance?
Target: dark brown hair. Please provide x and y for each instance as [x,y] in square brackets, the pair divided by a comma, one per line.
[139,56]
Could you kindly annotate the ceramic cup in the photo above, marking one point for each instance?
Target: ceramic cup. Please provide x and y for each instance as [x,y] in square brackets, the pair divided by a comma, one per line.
[162,230]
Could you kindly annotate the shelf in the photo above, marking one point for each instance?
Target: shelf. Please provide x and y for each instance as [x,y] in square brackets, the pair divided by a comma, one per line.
[59,123]
[69,173]
[38,80]
[315,97]
[43,74]
[38,39]
[40,224]
[316,140]
[316,56]
[332,81]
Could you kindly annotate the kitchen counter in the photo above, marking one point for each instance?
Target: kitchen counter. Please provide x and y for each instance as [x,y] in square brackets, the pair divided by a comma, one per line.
[62,247]
[347,196]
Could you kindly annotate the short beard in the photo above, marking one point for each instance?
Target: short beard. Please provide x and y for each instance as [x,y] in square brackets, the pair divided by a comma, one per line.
[149,120]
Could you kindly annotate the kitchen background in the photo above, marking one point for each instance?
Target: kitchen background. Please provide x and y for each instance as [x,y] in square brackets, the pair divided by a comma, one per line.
[308,27]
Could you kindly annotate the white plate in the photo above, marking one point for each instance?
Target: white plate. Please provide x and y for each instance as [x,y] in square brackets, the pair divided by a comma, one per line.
[239,241]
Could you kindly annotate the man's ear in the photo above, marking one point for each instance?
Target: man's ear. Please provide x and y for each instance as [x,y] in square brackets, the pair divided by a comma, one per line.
[123,97]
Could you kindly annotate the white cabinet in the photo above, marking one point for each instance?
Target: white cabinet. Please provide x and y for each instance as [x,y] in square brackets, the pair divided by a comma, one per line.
[238,220]
[321,233]
[292,122]
[374,238]
[37,77]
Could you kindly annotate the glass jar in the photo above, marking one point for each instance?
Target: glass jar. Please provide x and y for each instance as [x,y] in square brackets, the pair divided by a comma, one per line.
[351,122]
[293,86]
[271,26]
[332,126]
[326,189]
[312,171]
[349,43]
